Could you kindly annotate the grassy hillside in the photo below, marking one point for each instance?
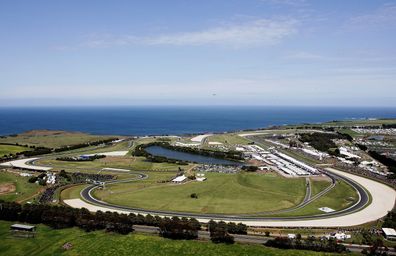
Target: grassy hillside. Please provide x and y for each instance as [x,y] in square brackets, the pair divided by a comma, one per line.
[49,242]
[23,189]
[54,139]
[11,149]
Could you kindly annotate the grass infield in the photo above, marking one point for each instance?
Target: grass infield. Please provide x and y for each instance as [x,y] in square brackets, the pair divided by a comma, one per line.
[220,193]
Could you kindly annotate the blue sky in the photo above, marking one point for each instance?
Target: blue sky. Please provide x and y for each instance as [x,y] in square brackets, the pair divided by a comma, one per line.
[245,52]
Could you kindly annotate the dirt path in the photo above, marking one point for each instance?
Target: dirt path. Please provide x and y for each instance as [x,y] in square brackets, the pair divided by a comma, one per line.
[41,190]
[7,188]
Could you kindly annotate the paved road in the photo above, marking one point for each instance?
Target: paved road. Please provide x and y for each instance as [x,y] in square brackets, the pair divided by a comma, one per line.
[202,234]
[86,194]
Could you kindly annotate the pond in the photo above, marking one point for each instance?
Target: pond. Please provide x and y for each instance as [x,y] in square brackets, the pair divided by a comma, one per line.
[183,156]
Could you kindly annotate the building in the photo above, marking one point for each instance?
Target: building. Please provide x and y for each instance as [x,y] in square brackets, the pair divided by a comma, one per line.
[179,179]
[376,137]
[389,233]
[23,230]
[339,236]
[201,177]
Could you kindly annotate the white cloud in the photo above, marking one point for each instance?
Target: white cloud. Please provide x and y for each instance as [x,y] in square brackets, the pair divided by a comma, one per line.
[385,16]
[260,32]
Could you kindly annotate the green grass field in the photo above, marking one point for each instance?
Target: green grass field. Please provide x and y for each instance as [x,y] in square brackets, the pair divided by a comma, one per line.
[340,197]
[49,242]
[356,122]
[72,192]
[230,139]
[130,163]
[221,193]
[11,149]
[362,122]
[24,189]
[51,138]
[318,185]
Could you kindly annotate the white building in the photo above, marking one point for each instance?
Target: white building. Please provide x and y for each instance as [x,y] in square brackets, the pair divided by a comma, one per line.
[389,233]
[179,179]
[201,177]
[339,236]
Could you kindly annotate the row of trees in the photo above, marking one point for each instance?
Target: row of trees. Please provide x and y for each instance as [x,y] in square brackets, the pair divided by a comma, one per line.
[78,177]
[39,178]
[65,217]
[83,145]
[387,161]
[250,168]
[388,126]
[390,220]
[80,159]
[230,227]
[11,156]
[219,232]
[313,244]
[48,195]
[176,228]
[37,150]
[324,141]
[28,153]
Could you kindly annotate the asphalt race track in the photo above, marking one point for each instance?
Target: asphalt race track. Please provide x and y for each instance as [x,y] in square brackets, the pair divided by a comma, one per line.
[363,201]
[375,200]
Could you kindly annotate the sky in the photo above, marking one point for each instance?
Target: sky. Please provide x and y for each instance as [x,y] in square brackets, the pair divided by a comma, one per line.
[206,52]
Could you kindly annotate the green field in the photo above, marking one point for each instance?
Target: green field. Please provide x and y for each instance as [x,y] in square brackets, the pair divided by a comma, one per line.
[231,139]
[24,189]
[49,242]
[361,122]
[72,192]
[318,185]
[221,193]
[50,139]
[130,163]
[11,149]
[340,197]
[356,122]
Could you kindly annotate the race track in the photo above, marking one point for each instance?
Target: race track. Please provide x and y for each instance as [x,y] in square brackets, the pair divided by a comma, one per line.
[382,201]
[365,210]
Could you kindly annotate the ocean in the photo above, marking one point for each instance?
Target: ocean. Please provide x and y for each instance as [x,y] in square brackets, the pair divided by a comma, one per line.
[175,120]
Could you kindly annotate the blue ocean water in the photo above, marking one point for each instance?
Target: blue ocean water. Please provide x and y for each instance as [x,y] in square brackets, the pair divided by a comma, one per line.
[159,120]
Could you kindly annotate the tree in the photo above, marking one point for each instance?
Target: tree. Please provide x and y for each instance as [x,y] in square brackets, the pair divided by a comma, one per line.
[42,182]
[177,228]
[33,179]
[219,234]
